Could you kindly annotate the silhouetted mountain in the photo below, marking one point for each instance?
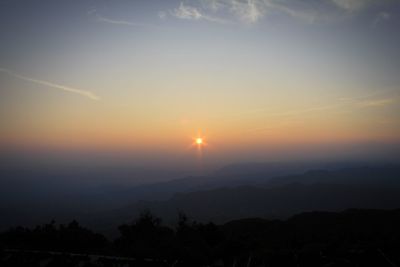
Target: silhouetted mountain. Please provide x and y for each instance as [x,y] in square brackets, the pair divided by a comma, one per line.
[224,204]
[229,176]
[34,194]
[388,176]
[272,174]
[266,174]
[232,190]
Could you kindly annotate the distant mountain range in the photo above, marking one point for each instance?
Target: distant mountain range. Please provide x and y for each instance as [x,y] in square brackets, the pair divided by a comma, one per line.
[278,197]
[269,190]
[264,174]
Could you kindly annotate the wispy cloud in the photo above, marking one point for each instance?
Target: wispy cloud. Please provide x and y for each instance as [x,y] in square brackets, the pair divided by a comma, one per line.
[308,15]
[374,99]
[213,5]
[85,93]
[266,112]
[193,13]
[351,5]
[248,11]
[377,102]
[186,12]
[162,14]
[100,18]
[305,110]
[92,11]
[252,11]
[118,22]
[360,98]
[378,98]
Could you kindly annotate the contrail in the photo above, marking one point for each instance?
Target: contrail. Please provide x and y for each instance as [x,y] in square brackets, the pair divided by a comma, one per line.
[53,85]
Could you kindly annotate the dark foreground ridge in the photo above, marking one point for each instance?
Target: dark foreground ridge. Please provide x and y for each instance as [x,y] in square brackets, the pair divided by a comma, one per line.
[348,238]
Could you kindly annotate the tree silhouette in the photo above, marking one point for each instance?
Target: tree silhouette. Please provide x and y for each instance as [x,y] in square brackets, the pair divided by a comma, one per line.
[146,238]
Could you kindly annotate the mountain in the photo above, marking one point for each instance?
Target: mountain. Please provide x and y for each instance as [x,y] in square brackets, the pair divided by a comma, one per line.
[224,204]
[388,175]
[248,201]
[258,174]
[236,191]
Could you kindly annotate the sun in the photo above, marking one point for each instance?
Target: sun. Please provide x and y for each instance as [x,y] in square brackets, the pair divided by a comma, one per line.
[199,142]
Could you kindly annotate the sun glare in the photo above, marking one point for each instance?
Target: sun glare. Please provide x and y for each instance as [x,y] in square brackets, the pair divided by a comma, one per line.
[199,142]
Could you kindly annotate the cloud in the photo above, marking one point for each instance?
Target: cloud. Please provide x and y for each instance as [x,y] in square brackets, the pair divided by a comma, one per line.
[377,102]
[120,22]
[291,113]
[85,93]
[246,11]
[380,98]
[299,12]
[112,21]
[213,5]
[99,18]
[250,11]
[360,98]
[351,5]
[186,12]
[92,11]
[192,13]
[162,14]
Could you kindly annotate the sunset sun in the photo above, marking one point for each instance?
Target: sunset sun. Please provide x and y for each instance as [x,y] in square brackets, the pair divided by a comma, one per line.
[199,140]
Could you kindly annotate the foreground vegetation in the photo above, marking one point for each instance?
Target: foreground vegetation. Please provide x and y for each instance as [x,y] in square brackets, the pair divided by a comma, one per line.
[349,238]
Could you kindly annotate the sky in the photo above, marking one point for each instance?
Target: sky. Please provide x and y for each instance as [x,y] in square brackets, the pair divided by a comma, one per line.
[256,79]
